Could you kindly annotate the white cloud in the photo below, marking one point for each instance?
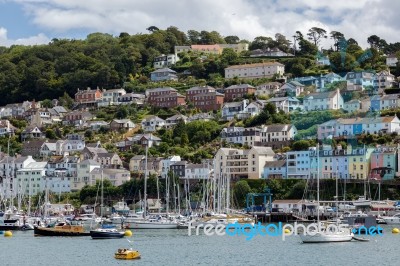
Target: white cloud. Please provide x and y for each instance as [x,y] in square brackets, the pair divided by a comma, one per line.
[244,18]
[32,40]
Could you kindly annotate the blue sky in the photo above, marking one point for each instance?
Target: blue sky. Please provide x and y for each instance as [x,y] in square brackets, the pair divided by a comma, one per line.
[38,21]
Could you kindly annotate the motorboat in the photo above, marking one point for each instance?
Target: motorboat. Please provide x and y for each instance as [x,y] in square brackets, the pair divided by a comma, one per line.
[395,219]
[61,229]
[106,233]
[127,254]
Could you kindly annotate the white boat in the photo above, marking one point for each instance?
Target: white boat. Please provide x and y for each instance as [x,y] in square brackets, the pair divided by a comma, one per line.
[362,202]
[345,235]
[152,224]
[395,219]
[121,207]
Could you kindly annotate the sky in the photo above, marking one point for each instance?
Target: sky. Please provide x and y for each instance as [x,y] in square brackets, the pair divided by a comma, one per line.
[32,22]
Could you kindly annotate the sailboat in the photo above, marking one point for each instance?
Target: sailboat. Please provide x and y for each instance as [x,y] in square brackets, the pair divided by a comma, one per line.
[152,222]
[322,234]
[104,232]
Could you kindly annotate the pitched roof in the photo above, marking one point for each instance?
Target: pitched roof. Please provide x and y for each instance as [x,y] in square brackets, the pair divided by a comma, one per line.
[279,163]
[201,88]
[161,89]
[321,95]
[239,86]
[232,104]
[256,65]
[277,128]
[264,150]
[162,70]
[175,117]
[152,117]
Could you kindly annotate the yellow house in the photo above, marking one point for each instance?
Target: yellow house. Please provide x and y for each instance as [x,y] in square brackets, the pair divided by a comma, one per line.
[359,162]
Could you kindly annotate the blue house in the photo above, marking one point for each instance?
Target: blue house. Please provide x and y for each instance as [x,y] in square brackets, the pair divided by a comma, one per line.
[375,103]
[163,74]
[360,80]
[275,169]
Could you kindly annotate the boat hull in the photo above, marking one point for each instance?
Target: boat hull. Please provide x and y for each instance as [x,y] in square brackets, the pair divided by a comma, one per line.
[391,220]
[151,225]
[326,238]
[106,235]
[52,232]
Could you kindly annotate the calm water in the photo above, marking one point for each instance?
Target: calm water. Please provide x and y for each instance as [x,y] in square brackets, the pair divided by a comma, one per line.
[175,247]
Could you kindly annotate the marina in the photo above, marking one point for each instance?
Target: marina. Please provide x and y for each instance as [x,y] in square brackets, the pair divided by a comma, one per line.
[175,247]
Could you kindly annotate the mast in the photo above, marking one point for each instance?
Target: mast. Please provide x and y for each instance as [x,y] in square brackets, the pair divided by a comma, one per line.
[145,182]
[318,183]
[102,196]
[227,193]
[158,197]
[167,189]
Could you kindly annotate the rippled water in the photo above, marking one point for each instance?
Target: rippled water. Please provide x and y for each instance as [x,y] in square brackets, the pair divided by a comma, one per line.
[175,247]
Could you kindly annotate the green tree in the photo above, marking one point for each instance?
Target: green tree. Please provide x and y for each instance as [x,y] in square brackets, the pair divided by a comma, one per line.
[50,134]
[122,112]
[232,39]
[301,145]
[47,103]
[336,36]
[315,34]
[240,191]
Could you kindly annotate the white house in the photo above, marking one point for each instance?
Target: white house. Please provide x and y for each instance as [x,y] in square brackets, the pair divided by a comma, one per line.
[83,174]
[269,88]
[275,133]
[240,135]
[173,120]
[332,100]
[165,60]
[286,104]
[110,97]
[292,89]
[384,80]
[6,128]
[230,110]
[198,171]
[116,176]
[257,70]
[152,123]
[352,106]
[391,60]
[32,178]
[8,167]
[166,163]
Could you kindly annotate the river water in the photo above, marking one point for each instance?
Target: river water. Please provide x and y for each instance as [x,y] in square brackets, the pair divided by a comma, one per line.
[175,247]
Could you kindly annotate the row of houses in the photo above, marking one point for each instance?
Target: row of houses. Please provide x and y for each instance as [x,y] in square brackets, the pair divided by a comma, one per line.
[351,127]
[376,163]
[60,173]
[275,136]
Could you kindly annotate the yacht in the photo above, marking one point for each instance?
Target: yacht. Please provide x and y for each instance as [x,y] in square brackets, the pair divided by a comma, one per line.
[154,222]
[395,219]
[362,202]
[121,207]
[322,236]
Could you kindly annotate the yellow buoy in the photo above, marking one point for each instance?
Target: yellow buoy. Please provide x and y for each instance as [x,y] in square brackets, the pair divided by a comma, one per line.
[395,230]
[287,231]
[7,233]
[128,233]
